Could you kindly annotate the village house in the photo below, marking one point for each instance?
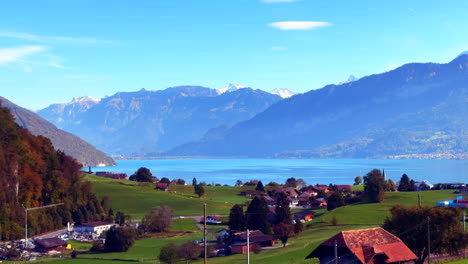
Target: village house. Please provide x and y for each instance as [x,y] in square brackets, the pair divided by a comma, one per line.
[343,188]
[256,237]
[304,199]
[318,203]
[50,244]
[94,227]
[373,245]
[213,220]
[305,215]
[162,187]
[289,191]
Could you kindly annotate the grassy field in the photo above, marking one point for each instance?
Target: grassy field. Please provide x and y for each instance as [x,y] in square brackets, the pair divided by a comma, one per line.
[137,199]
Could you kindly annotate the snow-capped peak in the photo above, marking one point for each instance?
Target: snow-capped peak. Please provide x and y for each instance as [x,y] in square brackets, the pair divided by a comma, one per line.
[283,92]
[82,99]
[351,78]
[230,88]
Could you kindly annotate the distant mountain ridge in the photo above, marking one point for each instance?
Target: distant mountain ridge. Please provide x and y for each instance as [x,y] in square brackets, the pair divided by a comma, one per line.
[72,145]
[416,109]
[144,123]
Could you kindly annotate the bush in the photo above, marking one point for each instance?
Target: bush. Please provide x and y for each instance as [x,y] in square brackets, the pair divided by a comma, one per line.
[120,239]
[73,254]
[334,221]
[97,247]
[159,219]
[169,254]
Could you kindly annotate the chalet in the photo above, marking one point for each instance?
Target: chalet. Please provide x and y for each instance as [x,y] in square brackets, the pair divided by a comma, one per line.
[93,227]
[50,244]
[343,188]
[373,245]
[322,187]
[162,186]
[304,199]
[213,220]
[289,191]
[305,215]
[311,190]
[256,237]
[318,203]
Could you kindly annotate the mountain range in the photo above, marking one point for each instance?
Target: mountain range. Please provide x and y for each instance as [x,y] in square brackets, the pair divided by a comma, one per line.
[145,123]
[418,109]
[72,145]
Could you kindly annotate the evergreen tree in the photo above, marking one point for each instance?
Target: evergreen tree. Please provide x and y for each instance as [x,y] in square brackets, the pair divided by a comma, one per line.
[260,187]
[142,175]
[119,239]
[335,200]
[194,181]
[237,218]
[282,209]
[404,185]
[199,190]
[257,215]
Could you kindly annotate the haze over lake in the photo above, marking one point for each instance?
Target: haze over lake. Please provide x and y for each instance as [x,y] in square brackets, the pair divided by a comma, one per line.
[323,171]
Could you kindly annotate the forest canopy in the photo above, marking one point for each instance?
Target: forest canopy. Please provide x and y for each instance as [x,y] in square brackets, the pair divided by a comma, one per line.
[33,173]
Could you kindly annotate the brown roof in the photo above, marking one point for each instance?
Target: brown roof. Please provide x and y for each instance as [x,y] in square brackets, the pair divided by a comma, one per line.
[373,240]
[50,242]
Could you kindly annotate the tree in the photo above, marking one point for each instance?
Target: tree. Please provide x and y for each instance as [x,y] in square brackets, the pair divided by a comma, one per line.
[410,225]
[142,175]
[168,253]
[188,251]
[374,188]
[238,183]
[404,185]
[357,180]
[159,219]
[194,181]
[165,180]
[237,218]
[260,187]
[283,231]
[301,182]
[121,218]
[298,226]
[257,215]
[282,209]
[120,239]
[391,185]
[291,182]
[199,190]
[335,200]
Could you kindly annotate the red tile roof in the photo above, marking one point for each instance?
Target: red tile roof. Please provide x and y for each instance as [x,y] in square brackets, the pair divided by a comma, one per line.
[373,241]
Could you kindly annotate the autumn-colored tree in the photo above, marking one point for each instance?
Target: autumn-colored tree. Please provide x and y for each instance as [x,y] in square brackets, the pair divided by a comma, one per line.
[159,219]
[283,231]
[411,225]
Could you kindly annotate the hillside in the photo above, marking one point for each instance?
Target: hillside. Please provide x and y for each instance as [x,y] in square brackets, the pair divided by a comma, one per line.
[69,143]
[32,174]
[418,109]
[144,123]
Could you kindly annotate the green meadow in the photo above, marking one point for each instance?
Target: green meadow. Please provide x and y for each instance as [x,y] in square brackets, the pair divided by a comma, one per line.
[136,199]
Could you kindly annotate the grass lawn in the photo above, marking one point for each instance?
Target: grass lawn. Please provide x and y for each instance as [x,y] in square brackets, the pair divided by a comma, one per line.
[187,224]
[136,199]
[79,246]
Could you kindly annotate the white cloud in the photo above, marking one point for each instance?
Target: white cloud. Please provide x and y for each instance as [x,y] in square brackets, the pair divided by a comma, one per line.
[52,39]
[299,25]
[278,48]
[19,54]
[278,1]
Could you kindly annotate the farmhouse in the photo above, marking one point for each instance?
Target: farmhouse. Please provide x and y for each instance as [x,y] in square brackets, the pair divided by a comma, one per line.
[256,237]
[162,187]
[50,244]
[305,215]
[94,227]
[373,245]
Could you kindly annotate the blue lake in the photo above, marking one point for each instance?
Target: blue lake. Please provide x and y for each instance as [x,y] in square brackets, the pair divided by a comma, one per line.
[324,171]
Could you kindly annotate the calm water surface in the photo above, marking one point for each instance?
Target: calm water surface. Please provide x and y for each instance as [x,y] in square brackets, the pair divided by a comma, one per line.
[324,171]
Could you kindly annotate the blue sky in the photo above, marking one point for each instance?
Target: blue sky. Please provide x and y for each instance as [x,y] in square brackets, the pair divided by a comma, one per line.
[51,51]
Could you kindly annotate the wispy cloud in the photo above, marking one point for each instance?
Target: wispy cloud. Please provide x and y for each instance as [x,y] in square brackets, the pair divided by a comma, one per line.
[278,1]
[52,39]
[278,48]
[19,54]
[299,25]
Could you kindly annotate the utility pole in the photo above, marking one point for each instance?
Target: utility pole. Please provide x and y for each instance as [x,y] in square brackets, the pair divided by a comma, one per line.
[248,246]
[204,234]
[428,242]
[336,252]
[26,219]
[464,230]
